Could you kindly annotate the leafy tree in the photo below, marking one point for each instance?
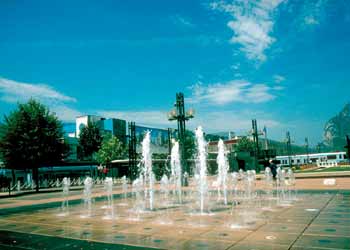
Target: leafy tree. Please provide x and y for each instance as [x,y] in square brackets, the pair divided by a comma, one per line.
[90,140]
[32,138]
[111,149]
[160,168]
[190,145]
[337,128]
[245,145]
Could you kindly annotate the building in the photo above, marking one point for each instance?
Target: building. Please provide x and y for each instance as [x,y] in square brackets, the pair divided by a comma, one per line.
[118,128]
[115,127]
[304,159]
[229,145]
[83,121]
[159,139]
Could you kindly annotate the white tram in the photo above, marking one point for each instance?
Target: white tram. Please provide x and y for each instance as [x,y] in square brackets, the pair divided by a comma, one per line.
[319,159]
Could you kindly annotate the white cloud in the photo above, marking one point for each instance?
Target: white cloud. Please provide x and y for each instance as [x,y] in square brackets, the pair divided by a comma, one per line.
[240,122]
[278,87]
[180,20]
[229,92]
[65,113]
[152,117]
[279,78]
[252,24]
[212,121]
[13,92]
[312,13]
[235,66]
[310,20]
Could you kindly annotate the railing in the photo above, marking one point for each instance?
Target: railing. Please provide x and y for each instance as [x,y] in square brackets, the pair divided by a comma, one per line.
[44,184]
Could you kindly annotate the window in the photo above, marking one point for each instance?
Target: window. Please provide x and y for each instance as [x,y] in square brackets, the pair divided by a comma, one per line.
[331,157]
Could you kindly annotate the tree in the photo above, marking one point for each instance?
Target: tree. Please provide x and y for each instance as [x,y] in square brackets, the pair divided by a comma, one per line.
[337,128]
[245,145]
[90,140]
[111,149]
[32,138]
[160,168]
[190,145]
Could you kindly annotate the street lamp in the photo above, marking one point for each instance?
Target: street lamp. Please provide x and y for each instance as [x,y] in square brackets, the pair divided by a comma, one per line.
[307,150]
[181,116]
[348,147]
[289,148]
[255,133]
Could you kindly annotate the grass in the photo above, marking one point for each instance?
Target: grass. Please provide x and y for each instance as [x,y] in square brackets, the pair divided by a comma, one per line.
[331,169]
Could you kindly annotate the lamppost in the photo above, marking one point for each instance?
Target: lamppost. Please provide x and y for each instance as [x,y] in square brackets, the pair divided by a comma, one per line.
[348,147]
[255,133]
[170,138]
[265,135]
[289,148]
[179,114]
[307,150]
[132,150]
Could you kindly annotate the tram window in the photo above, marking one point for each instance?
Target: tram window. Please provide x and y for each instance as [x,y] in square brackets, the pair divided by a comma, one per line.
[331,157]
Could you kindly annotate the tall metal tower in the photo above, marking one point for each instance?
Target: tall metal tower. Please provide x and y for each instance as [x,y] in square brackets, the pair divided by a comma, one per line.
[181,116]
[289,148]
[132,150]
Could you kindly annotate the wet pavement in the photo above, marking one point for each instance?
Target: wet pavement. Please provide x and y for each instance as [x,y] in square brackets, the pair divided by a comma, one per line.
[315,220]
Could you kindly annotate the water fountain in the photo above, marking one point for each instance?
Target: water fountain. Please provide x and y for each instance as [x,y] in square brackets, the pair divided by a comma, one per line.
[125,187]
[65,194]
[146,170]
[138,206]
[176,170]
[57,184]
[164,198]
[152,205]
[201,169]
[18,186]
[222,171]
[235,182]
[290,182]
[268,181]
[108,185]
[281,187]
[87,195]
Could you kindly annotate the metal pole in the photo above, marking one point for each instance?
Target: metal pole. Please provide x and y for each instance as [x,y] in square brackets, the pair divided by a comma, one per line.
[256,142]
[266,143]
[169,140]
[307,149]
[348,147]
[132,150]
[180,106]
[289,149]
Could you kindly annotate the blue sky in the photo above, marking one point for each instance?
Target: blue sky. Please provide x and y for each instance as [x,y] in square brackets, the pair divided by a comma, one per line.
[282,62]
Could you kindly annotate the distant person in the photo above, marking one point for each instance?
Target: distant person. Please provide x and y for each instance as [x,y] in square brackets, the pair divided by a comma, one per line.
[273,168]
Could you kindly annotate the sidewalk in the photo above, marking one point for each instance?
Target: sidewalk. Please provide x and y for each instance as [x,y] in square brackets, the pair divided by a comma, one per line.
[309,181]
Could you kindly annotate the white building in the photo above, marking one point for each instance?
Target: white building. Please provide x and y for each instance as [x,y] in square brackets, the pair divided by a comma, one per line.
[304,159]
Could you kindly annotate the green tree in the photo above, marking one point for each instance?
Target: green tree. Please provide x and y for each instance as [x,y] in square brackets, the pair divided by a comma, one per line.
[160,168]
[90,140]
[32,138]
[190,145]
[245,145]
[111,149]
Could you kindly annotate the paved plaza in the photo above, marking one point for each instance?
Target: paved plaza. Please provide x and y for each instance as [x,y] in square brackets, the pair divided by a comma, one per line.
[318,219]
